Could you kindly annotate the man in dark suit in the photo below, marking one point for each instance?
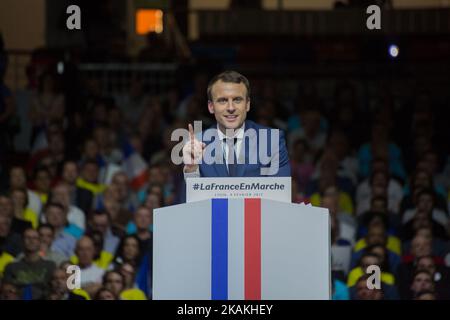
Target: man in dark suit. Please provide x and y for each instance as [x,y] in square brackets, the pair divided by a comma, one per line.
[234,146]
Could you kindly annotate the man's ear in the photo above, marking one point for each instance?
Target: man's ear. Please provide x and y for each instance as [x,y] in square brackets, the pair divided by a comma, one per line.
[210,107]
[248,105]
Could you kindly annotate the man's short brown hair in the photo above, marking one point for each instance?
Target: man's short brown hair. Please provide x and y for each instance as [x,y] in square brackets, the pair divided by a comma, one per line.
[228,76]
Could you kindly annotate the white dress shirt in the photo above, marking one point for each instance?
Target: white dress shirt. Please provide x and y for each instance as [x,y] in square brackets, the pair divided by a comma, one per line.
[239,135]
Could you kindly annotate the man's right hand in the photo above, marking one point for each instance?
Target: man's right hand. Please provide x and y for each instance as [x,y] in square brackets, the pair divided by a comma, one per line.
[192,152]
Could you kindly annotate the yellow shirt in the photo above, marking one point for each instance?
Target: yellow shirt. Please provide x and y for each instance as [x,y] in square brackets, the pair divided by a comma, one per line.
[102,262]
[356,273]
[31,216]
[393,244]
[92,187]
[133,294]
[5,259]
[82,293]
[345,201]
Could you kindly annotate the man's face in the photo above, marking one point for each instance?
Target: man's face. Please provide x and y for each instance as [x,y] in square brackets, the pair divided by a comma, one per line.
[90,172]
[230,104]
[121,181]
[100,223]
[70,173]
[5,226]
[376,235]
[364,293]
[9,292]
[421,282]
[19,199]
[59,281]
[55,217]
[143,218]
[46,236]
[31,241]
[61,194]
[369,261]
[42,181]
[425,203]
[85,251]
[114,283]
[427,264]
[130,249]
[6,207]
[420,247]
[17,178]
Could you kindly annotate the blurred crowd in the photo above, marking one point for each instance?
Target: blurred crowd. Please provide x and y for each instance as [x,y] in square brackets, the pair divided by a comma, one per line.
[98,165]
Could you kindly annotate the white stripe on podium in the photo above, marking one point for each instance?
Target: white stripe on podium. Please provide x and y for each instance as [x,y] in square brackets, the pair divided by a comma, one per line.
[236,249]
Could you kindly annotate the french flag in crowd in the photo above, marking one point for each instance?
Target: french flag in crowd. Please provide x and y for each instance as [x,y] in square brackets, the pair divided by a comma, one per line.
[135,167]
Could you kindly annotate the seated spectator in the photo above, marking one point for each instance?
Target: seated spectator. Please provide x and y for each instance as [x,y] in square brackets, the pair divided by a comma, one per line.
[361,291]
[122,192]
[419,181]
[328,178]
[91,274]
[65,234]
[347,223]
[341,250]
[420,246]
[328,164]
[102,258]
[348,163]
[9,291]
[137,287]
[59,289]
[389,261]
[42,180]
[378,209]
[115,281]
[79,197]
[22,211]
[143,224]
[380,146]
[426,230]
[422,281]
[120,217]
[379,184]
[46,236]
[310,130]
[367,260]
[31,274]
[100,221]
[425,202]
[377,234]
[440,275]
[89,177]
[18,180]
[139,254]
[75,216]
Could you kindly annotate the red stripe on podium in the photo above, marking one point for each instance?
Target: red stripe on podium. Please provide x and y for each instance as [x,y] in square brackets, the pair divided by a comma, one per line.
[252,249]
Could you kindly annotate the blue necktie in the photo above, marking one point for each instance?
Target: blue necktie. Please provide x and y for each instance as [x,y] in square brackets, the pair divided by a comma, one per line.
[232,159]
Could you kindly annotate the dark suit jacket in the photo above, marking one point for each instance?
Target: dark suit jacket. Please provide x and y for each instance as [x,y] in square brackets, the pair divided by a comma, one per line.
[258,156]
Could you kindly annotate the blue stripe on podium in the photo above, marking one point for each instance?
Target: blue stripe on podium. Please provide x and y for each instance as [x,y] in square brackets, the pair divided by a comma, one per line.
[219,249]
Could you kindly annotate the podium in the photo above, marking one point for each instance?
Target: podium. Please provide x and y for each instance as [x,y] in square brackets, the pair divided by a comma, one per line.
[241,249]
